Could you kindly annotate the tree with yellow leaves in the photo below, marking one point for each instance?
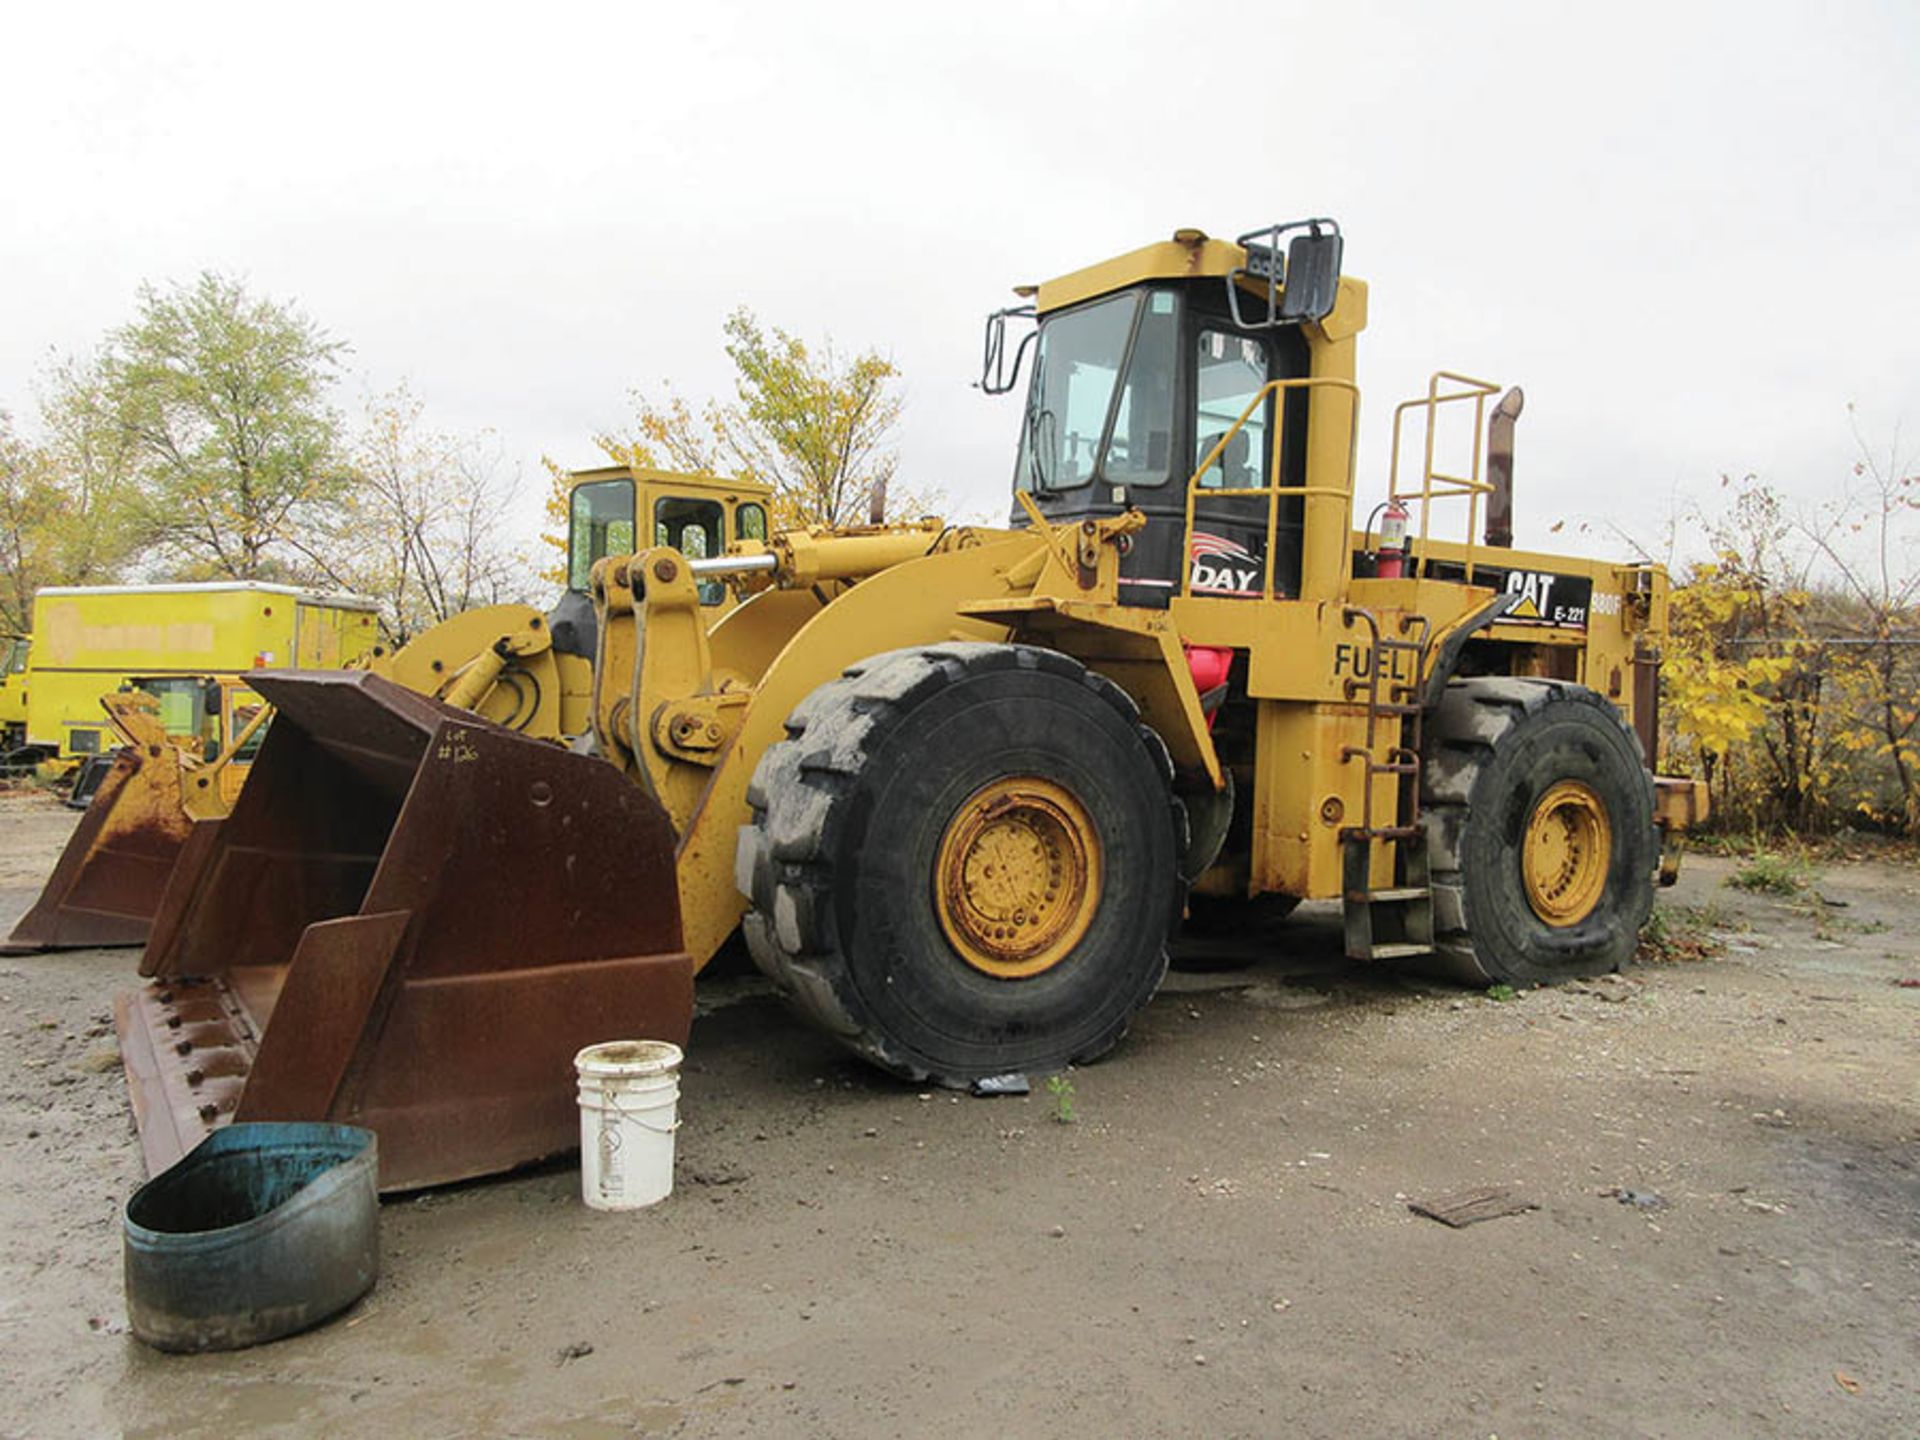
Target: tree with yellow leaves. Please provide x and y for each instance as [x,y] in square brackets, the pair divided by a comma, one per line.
[1718,697]
[1792,674]
[815,424]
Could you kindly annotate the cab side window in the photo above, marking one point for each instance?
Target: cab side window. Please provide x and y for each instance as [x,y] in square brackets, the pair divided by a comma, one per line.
[697,529]
[1230,372]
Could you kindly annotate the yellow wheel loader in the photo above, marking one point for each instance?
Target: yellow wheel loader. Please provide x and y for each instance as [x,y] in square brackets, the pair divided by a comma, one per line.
[526,671]
[957,785]
[169,770]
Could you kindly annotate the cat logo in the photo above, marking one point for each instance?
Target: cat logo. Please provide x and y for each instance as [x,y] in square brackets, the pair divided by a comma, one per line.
[1547,599]
[1533,590]
[1221,567]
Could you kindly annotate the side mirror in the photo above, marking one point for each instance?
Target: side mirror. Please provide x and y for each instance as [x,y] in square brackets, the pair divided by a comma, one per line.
[1302,285]
[998,372]
[1313,276]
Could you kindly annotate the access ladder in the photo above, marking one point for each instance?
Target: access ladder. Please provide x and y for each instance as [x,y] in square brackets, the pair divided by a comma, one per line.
[1395,922]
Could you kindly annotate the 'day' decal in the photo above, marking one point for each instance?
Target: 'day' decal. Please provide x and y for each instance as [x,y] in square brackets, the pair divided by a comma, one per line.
[1220,567]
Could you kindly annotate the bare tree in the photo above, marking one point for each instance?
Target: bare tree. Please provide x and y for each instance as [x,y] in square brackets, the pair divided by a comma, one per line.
[424,524]
[1869,536]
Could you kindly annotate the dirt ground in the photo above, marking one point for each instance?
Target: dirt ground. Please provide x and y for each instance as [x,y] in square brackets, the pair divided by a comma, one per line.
[1218,1243]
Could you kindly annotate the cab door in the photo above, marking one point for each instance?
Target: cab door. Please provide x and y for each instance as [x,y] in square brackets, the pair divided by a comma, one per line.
[238,707]
[1227,555]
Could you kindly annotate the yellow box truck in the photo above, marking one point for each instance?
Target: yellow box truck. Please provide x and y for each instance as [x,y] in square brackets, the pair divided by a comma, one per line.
[88,641]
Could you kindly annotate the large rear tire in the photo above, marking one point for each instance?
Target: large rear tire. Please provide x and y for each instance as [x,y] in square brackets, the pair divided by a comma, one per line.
[1540,834]
[964,861]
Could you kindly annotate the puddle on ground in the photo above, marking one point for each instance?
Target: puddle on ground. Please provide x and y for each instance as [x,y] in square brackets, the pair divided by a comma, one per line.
[615,1420]
[1284,997]
[226,1408]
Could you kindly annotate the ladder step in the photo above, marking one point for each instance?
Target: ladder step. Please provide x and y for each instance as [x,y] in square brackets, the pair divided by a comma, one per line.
[1393,767]
[1354,835]
[1392,897]
[1397,952]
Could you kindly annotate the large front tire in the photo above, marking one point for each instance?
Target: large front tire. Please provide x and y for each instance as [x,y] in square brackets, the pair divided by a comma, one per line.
[1540,834]
[964,861]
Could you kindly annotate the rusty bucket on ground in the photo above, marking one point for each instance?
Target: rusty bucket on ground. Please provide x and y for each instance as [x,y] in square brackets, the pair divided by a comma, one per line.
[412,921]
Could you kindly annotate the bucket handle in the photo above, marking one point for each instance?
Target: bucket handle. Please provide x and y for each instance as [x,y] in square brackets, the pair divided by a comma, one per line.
[613,1103]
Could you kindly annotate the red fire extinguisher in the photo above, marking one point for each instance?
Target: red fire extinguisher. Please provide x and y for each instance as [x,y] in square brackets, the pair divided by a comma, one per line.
[1389,561]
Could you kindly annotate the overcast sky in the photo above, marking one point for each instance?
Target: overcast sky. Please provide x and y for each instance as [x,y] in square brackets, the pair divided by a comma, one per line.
[1689,231]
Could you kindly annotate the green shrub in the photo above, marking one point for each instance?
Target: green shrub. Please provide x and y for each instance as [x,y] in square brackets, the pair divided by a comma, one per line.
[1768,873]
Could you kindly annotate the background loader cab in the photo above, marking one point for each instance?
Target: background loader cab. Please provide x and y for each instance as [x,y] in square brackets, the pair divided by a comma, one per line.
[1136,390]
[617,510]
[532,672]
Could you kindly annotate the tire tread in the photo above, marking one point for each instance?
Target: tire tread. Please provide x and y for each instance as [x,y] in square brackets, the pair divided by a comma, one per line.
[783,863]
[1473,723]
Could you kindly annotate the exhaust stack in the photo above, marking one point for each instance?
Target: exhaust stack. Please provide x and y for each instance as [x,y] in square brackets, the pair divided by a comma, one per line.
[1500,467]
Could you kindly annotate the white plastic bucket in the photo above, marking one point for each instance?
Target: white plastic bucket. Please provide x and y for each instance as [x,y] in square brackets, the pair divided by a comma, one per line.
[629,1104]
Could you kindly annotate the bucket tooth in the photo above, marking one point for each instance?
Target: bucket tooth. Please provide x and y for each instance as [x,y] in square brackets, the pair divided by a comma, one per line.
[187,1048]
[412,920]
[109,880]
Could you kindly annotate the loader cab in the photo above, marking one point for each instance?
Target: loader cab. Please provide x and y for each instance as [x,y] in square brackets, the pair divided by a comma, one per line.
[188,708]
[618,511]
[621,511]
[1137,393]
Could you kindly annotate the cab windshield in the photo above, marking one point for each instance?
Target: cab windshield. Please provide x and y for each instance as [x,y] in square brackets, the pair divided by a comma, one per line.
[1083,419]
[602,525]
[189,709]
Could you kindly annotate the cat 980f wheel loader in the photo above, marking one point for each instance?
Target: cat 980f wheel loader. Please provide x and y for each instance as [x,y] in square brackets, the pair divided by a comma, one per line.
[957,783]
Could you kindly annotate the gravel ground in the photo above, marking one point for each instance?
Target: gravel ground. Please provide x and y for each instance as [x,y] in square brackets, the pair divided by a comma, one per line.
[1218,1243]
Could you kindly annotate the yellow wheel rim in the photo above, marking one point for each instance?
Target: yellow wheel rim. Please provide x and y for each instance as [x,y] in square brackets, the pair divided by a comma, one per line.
[1017,881]
[1566,854]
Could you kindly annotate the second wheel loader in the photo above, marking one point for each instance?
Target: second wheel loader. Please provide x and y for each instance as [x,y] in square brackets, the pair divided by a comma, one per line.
[527,671]
[957,785]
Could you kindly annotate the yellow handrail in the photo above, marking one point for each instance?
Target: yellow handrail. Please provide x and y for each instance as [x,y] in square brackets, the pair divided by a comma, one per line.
[1274,490]
[1435,484]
